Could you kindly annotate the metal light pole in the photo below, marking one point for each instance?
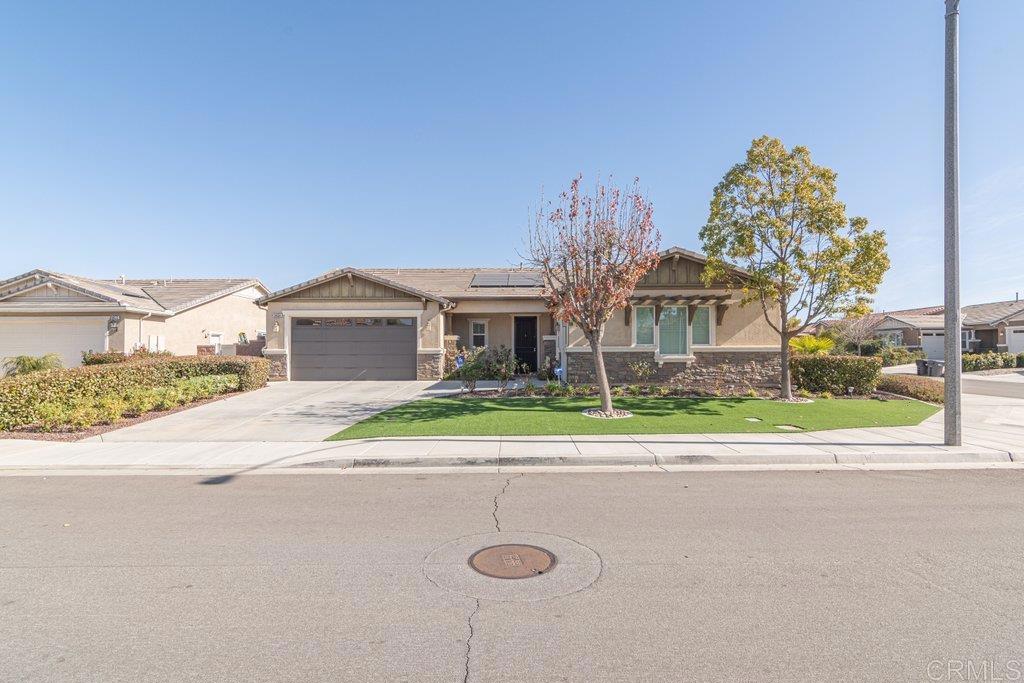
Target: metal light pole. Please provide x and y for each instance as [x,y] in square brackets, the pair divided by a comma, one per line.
[952,232]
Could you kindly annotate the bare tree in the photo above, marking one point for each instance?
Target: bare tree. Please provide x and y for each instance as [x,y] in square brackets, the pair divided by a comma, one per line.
[593,249]
[855,330]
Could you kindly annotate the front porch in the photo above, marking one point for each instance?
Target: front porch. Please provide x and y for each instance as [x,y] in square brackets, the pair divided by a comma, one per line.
[525,327]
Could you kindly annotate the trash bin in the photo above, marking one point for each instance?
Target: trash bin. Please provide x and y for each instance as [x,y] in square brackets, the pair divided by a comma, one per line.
[922,367]
[936,368]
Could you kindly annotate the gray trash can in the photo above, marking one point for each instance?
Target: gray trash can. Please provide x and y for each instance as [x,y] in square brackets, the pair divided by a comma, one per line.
[936,368]
[922,367]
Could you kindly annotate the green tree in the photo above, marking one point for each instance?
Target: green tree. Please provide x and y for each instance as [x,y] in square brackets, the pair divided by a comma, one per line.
[777,216]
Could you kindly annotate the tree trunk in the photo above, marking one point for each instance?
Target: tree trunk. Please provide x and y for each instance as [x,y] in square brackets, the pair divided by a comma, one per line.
[602,377]
[786,386]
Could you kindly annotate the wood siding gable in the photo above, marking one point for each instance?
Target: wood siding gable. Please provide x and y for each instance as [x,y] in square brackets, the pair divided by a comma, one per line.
[348,286]
[675,271]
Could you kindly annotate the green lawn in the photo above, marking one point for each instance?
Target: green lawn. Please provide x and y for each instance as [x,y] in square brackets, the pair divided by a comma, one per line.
[546,416]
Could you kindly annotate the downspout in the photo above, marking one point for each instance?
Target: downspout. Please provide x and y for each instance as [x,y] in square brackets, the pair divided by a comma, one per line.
[140,328]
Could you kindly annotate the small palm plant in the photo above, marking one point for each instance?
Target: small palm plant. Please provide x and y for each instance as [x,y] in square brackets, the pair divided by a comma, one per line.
[810,345]
[22,365]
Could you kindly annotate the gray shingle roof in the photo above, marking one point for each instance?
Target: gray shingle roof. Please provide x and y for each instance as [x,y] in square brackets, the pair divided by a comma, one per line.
[455,283]
[158,295]
[990,314]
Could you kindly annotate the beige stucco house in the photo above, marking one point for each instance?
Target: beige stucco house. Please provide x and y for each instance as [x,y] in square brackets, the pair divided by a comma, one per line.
[996,326]
[47,312]
[404,323]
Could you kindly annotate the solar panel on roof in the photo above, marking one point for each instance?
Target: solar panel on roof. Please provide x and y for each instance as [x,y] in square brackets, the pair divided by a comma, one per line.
[489,280]
[525,280]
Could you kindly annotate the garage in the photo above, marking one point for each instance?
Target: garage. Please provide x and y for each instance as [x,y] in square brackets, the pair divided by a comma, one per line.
[67,336]
[353,348]
[933,344]
[1015,339]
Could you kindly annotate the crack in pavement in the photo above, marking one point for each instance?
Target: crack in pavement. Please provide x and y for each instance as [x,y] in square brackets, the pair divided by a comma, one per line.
[494,513]
[469,640]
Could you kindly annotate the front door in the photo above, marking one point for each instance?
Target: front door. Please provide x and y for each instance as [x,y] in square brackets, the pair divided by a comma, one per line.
[525,341]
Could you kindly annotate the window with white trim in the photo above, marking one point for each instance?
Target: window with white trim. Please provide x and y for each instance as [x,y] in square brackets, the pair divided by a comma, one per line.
[478,333]
[643,321]
[672,331]
[700,332]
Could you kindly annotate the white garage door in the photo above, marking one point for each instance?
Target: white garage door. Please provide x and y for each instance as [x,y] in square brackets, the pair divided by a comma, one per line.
[1015,339]
[933,344]
[67,336]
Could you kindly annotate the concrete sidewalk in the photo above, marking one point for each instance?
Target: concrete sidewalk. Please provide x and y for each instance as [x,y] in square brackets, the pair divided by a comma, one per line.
[993,433]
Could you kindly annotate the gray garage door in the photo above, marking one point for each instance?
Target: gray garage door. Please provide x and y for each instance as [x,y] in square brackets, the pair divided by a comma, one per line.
[353,348]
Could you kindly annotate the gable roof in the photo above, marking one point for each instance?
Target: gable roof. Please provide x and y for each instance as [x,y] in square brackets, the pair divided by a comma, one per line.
[365,274]
[927,322]
[699,258]
[457,283]
[185,293]
[993,313]
[159,297]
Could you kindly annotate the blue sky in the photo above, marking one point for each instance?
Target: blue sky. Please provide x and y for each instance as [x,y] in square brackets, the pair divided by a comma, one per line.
[279,140]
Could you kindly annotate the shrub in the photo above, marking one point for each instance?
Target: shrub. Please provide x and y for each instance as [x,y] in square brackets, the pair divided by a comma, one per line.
[138,401]
[810,345]
[51,415]
[500,364]
[836,374]
[921,388]
[83,415]
[972,362]
[103,357]
[110,408]
[23,365]
[553,389]
[1020,360]
[472,370]
[872,348]
[899,355]
[22,396]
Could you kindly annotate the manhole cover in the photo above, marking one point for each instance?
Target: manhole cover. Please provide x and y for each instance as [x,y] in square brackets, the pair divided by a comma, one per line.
[512,561]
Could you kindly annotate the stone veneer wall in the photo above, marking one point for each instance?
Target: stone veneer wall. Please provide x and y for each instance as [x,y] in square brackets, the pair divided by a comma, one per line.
[278,365]
[548,355]
[430,365]
[451,349]
[726,372]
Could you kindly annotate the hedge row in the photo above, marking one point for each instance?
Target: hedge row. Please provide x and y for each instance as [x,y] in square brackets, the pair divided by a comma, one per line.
[21,396]
[991,361]
[899,355]
[836,374]
[921,388]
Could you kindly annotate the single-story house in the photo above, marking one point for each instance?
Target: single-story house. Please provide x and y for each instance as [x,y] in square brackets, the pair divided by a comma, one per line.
[47,312]
[997,326]
[374,323]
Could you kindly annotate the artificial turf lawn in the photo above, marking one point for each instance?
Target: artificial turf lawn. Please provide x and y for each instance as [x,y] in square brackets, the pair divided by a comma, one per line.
[546,416]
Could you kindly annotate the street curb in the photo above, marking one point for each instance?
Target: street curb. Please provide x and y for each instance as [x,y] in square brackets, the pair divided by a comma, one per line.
[895,458]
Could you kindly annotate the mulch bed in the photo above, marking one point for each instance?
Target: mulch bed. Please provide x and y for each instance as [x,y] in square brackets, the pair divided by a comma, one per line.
[103,429]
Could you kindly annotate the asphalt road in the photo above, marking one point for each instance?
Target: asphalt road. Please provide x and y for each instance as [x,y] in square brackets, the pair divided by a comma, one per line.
[704,576]
[984,387]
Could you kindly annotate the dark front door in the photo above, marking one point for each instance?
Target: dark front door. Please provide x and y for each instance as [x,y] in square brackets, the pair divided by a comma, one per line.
[526,341]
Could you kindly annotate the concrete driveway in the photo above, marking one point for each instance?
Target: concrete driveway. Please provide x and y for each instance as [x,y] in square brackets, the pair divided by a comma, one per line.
[282,411]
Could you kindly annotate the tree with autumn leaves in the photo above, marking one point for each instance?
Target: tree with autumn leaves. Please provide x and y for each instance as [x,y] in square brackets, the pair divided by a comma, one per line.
[777,216]
[592,249]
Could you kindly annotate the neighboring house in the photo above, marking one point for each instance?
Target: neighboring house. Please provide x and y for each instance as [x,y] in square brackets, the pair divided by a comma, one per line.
[404,323]
[46,312]
[997,326]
